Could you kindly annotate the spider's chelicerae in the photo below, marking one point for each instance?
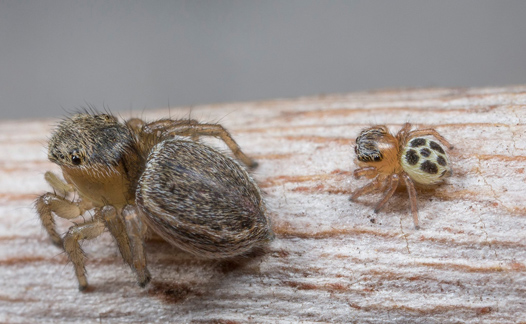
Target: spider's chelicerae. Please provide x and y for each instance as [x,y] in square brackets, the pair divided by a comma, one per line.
[136,176]
[410,156]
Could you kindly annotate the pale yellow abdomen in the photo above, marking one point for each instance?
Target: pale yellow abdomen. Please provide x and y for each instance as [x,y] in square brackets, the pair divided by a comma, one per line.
[425,160]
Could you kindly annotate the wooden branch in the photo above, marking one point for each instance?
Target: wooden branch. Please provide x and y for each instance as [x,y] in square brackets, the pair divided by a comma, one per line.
[332,260]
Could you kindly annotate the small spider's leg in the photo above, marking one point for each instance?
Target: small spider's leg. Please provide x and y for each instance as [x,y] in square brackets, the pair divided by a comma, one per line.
[368,172]
[391,187]
[50,203]
[215,130]
[372,186]
[405,129]
[115,224]
[72,247]
[136,230]
[434,133]
[57,184]
[404,132]
[412,198]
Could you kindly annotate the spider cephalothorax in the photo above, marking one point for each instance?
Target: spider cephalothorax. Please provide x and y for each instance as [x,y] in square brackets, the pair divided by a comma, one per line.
[368,144]
[90,141]
[138,175]
[414,156]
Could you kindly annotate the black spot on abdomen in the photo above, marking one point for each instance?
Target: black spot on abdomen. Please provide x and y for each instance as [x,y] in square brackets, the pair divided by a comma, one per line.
[412,157]
[418,142]
[425,152]
[435,146]
[441,161]
[429,167]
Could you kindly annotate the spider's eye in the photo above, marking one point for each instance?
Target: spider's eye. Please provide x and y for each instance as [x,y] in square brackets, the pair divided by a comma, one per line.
[57,156]
[104,117]
[75,157]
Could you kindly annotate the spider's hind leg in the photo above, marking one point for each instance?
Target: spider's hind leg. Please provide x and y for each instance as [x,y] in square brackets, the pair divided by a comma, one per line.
[412,198]
[194,130]
[434,133]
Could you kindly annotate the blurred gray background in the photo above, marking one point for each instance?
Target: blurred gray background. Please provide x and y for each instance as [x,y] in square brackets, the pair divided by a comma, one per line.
[59,55]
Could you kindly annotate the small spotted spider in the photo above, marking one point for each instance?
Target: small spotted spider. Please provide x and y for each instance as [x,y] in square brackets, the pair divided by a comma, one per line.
[138,177]
[413,156]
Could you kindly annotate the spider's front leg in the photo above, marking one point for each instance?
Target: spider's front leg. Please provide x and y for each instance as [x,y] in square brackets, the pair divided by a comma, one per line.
[57,184]
[368,172]
[378,184]
[391,185]
[75,234]
[193,129]
[50,203]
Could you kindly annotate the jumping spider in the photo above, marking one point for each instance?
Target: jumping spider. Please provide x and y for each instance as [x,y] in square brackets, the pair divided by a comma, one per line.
[137,176]
[413,156]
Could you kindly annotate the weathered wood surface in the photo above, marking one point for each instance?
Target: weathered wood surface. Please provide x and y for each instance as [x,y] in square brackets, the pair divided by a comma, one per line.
[330,261]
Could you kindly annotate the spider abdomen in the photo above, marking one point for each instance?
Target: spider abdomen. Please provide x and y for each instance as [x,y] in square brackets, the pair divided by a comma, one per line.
[425,160]
[201,200]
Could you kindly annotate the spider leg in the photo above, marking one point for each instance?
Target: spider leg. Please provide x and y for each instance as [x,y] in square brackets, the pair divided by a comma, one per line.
[72,247]
[115,224]
[136,230]
[434,133]
[412,198]
[377,184]
[50,203]
[193,129]
[405,129]
[391,187]
[57,184]
[368,172]
[167,124]
[403,132]
[128,232]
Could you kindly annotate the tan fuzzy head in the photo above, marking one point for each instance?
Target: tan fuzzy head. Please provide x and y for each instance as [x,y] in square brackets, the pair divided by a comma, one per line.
[89,141]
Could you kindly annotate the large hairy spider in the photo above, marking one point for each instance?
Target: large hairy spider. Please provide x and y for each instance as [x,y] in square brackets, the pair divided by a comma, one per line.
[413,156]
[137,176]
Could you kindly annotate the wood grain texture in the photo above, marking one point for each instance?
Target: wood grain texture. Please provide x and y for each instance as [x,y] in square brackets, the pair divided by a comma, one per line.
[332,260]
